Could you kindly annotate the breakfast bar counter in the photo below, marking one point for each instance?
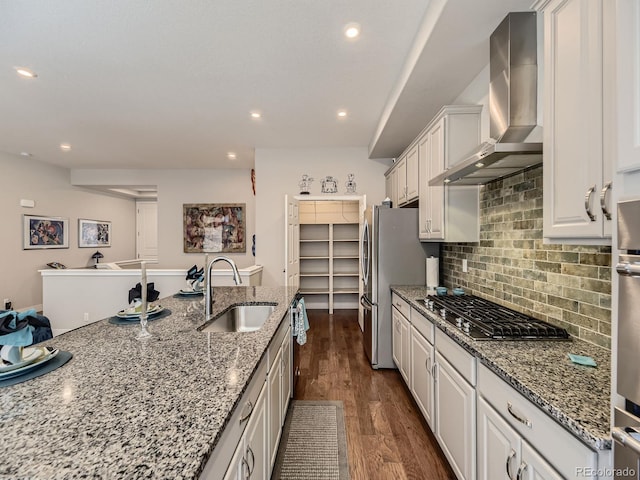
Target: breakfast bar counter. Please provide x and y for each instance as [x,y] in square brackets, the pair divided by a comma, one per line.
[126,408]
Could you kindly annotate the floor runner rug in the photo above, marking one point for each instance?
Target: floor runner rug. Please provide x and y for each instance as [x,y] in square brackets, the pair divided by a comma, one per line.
[314,443]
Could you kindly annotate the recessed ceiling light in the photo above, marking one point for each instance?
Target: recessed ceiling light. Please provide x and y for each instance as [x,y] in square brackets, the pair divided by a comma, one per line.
[26,154]
[351,30]
[342,113]
[65,147]
[256,115]
[231,156]
[26,72]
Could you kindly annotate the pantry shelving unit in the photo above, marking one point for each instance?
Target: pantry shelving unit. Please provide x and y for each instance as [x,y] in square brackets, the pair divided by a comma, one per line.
[330,254]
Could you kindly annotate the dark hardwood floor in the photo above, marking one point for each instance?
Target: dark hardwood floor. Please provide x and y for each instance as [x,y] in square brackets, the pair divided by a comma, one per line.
[387,437]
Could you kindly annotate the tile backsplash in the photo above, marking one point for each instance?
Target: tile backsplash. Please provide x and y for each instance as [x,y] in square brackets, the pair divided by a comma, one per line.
[566,285]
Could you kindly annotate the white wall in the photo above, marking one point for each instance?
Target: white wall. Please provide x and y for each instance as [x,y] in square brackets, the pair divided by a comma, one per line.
[49,187]
[178,187]
[278,172]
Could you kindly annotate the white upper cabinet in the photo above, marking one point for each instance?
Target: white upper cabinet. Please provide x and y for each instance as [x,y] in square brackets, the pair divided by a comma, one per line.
[401,181]
[627,65]
[577,168]
[449,214]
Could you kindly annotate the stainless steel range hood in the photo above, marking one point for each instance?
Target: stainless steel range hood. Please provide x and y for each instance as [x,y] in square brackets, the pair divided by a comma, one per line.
[512,107]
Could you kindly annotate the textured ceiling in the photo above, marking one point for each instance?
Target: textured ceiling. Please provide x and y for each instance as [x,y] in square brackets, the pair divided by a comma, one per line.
[170,84]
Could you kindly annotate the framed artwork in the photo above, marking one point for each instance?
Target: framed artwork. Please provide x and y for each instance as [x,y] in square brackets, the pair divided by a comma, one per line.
[214,227]
[93,233]
[44,232]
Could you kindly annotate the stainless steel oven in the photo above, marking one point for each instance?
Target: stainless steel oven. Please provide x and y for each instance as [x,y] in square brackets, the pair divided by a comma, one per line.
[626,431]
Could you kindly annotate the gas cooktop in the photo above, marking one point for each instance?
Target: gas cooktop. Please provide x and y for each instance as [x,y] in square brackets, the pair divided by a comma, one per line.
[485,320]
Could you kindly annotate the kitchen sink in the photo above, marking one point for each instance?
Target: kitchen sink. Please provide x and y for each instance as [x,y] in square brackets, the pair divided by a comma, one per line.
[240,318]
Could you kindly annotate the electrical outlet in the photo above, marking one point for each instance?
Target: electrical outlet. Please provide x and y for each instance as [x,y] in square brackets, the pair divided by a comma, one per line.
[7,303]
[465,266]
[86,317]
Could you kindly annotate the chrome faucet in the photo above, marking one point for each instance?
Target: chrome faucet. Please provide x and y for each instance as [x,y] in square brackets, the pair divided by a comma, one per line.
[208,302]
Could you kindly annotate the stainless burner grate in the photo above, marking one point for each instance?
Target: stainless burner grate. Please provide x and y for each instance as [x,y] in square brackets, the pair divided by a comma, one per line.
[484,319]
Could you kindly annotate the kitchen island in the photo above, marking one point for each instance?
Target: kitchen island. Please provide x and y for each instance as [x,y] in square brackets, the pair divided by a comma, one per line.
[124,408]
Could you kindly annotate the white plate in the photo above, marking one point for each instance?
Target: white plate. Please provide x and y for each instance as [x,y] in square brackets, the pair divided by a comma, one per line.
[29,355]
[47,353]
[151,310]
[191,292]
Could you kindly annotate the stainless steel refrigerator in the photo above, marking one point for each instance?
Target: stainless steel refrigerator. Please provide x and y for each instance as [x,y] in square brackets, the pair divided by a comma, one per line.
[626,428]
[391,255]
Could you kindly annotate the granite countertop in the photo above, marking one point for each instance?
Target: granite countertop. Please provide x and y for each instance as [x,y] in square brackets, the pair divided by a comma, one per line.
[575,396]
[124,408]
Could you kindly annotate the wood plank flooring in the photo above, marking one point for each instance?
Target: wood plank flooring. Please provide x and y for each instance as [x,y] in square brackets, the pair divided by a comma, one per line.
[387,437]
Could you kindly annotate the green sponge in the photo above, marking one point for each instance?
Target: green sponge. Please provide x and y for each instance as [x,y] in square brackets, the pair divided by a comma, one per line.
[582,360]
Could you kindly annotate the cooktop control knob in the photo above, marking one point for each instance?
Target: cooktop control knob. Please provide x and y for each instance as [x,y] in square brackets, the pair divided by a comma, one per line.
[466,326]
[443,313]
[459,322]
[430,305]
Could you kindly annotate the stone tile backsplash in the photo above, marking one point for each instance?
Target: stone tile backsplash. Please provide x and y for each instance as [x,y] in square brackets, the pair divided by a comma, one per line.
[566,285]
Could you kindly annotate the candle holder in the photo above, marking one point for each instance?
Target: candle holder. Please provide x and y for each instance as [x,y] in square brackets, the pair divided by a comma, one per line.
[144,333]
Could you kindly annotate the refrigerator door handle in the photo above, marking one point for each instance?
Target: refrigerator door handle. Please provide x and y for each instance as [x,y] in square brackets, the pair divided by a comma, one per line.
[366,303]
[365,255]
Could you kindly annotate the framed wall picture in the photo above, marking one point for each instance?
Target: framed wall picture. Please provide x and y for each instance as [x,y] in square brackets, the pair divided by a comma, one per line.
[214,227]
[94,233]
[44,232]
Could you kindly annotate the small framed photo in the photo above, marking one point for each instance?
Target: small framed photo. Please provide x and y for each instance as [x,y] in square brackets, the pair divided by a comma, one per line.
[44,232]
[94,233]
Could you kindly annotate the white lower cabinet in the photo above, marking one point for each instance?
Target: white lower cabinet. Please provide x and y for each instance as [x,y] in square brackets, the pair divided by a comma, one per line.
[455,418]
[544,450]
[503,455]
[250,458]
[422,361]
[400,346]
[275,412]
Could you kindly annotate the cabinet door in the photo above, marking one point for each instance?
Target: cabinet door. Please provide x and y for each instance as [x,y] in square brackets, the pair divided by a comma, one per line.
[412,173]
[286,375]
[402,180]
[292,242]
[455,419]
[424,201]
[628,84]
[396,335]
[256,442]
[534,467]
[498,445]
[421,377]
[238,469]
[573,150]
[405,350]
[436,195]
[395,200]
[274,406]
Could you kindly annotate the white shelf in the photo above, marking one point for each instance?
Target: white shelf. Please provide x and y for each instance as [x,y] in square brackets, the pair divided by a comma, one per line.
[330,258]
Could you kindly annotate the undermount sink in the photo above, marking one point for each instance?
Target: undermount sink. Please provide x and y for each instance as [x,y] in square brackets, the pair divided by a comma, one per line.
[240,318]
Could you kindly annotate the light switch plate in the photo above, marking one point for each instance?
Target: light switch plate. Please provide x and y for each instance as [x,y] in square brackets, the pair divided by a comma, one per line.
[465,266]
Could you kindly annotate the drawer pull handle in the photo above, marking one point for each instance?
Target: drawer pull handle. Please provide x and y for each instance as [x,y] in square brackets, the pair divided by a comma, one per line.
[245,417]
[245,469]
[520,418]
[521,469]
[509,460]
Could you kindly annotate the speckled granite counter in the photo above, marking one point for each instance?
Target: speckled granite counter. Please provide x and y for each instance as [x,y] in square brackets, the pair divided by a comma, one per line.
[122,408]
[577,397]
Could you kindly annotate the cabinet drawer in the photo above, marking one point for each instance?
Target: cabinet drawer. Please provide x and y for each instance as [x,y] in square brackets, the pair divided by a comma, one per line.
[459,358]
[557,445]
[423,325]
[401,304]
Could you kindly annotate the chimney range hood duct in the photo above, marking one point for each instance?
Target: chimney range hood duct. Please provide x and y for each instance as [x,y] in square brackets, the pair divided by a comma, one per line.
[512,107]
